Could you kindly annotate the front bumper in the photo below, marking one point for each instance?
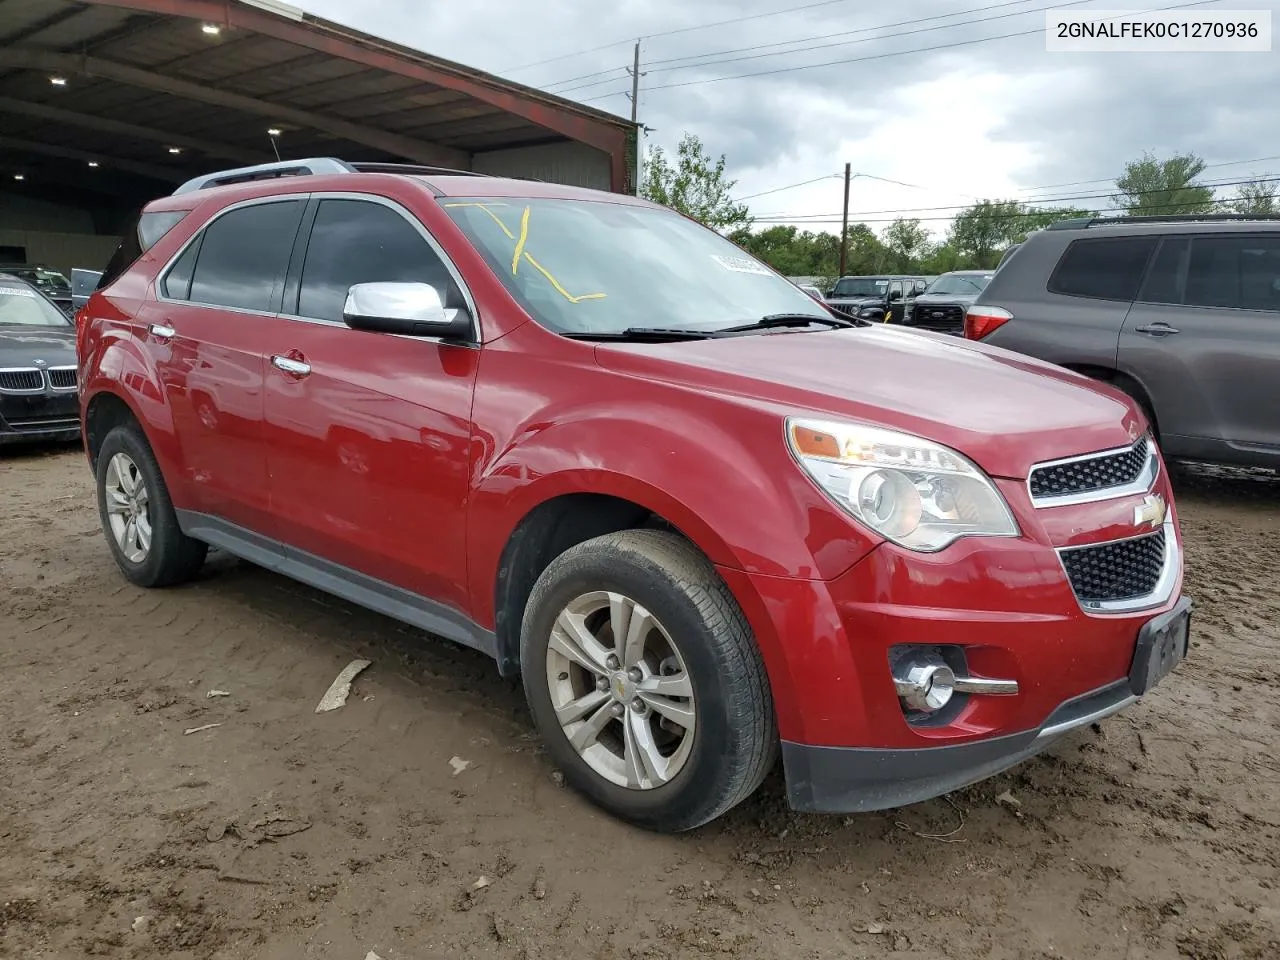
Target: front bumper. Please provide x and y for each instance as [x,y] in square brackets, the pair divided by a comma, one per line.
[1005,603]
[49,415]
[861,779]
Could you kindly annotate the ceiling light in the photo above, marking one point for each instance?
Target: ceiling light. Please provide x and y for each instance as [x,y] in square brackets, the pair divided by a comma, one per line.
[212,29]
[93,163]
[19,176]
[175,149]
[58,81]
[274,131]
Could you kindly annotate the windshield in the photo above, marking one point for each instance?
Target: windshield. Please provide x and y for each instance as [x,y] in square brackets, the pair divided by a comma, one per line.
[960,284]
[50,281]
[23,307]
[602,268]
[860,287]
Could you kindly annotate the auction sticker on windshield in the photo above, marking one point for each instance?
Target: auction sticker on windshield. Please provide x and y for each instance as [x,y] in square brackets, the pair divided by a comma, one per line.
[740,265]
[16,292]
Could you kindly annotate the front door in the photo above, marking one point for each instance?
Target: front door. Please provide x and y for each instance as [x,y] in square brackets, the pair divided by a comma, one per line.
[1204,339]
[894,302]
[369,434]
[205,333]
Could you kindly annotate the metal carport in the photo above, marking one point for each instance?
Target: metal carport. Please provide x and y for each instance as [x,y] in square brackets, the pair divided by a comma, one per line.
[107,103]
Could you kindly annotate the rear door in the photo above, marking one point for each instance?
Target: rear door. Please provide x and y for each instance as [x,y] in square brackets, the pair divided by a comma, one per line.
[369,433]
[1204,340]
[206,333]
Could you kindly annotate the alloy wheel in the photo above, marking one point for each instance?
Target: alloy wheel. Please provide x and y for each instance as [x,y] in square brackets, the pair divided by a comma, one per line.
[620,690]
[128,507]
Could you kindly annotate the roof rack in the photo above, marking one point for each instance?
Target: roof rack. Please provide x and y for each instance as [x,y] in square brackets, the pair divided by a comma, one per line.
[1081,223]
[315,167]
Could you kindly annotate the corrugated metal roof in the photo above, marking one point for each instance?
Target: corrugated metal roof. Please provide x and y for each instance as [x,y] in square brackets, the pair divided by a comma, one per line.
[145,76]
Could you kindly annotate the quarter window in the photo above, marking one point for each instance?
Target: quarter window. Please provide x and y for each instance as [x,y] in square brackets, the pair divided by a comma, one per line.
[242,258]
[358,241]
[1104,269]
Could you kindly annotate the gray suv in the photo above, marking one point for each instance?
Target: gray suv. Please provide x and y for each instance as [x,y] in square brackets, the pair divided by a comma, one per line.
[1181,313]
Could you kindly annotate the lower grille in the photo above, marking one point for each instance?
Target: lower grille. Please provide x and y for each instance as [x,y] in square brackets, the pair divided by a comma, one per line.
[42,424]
[1116,571]
[942,317]
[23,380]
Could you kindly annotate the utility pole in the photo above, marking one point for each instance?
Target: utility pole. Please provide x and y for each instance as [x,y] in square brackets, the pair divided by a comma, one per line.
[844,224]
[635,113]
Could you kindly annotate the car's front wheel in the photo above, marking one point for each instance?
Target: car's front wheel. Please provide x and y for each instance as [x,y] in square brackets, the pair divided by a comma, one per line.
[645,681]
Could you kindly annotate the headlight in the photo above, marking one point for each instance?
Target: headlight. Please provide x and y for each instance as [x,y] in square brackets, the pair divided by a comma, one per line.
[917,493]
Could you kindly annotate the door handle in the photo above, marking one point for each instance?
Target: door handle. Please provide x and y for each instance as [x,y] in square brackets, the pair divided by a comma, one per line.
[161,331]
[1156,329]
[297,368]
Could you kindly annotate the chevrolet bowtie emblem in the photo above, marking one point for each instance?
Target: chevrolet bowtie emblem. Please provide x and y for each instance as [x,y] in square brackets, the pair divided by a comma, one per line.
[1151,511]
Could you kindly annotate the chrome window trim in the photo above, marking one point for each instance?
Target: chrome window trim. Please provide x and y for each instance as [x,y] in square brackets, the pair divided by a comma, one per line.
[1141,484]
[24,391]
[1163,589]
[477,330]
[163,275]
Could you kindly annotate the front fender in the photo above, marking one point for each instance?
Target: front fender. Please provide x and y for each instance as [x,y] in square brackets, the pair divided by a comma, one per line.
[737,496]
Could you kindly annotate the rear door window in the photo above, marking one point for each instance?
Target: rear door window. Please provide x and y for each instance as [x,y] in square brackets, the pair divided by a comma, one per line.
[243,256]
[1103,269]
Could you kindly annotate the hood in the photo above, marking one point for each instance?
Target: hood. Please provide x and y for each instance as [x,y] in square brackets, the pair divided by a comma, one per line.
[22,346]
[1003,410]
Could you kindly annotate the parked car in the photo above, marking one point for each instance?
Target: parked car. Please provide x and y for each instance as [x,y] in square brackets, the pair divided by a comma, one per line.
[1181,313]
[49,282]
[942,305]
[83,283]
[708,522]
[812,291]
[37,367]
[875,298]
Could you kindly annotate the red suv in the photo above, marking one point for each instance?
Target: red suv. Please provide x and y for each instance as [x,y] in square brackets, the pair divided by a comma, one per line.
[705,518]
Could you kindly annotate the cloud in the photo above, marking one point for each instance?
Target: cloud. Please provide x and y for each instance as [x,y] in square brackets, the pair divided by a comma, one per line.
[996,118]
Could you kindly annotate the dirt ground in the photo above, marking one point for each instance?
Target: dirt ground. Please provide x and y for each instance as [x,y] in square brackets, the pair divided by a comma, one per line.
[283,833]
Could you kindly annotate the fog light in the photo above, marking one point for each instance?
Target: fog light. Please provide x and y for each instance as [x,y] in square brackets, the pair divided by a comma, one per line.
[925,685]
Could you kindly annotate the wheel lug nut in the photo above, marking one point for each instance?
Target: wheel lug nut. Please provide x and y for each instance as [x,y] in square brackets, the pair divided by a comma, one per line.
[637,705]
[612,663]
[635,674]
[602,684]
[616,709]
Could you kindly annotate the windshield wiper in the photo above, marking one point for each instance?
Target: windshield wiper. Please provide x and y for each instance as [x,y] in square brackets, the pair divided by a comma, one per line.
[642,334]
[773,320]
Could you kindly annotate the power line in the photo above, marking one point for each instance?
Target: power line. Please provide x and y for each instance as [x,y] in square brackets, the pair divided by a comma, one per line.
[994,217]
[828,36]
[1081,183]
[673,32]
[789,186]
[877,56]
[798,218]
[839,43]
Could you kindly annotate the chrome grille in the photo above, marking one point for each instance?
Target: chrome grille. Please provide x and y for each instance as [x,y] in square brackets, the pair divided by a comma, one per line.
[62,378]
[1112,473]
[1116,571]
[21,381]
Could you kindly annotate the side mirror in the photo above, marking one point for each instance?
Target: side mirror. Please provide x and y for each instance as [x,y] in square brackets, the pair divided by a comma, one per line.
[410,309]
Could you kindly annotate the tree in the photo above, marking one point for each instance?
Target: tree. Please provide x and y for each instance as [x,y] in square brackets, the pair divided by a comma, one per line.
[693,185]
[1153,187]
[1256,197]
[980,234]
[907,241]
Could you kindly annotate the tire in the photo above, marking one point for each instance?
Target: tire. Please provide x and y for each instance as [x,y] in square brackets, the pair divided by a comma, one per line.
[170,557]
[696,639]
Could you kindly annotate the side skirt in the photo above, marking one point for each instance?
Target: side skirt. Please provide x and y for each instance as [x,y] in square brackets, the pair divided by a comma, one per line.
[376,595]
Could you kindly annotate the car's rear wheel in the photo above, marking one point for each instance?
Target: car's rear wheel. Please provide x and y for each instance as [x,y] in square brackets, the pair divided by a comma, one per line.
[644,680]
[138,516]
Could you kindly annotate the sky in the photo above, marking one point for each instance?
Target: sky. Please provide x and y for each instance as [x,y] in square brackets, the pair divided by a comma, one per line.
[926,131]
